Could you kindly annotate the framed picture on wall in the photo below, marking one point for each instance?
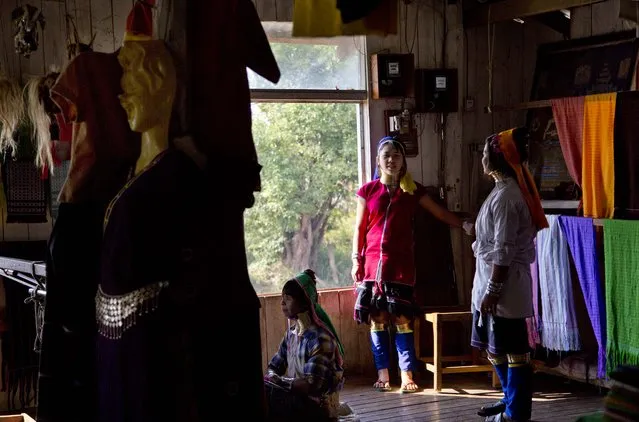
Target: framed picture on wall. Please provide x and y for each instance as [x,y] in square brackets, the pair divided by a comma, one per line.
[400,123]
[584,66]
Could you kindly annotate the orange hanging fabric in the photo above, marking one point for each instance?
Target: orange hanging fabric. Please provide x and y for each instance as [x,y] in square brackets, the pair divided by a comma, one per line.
[598,167]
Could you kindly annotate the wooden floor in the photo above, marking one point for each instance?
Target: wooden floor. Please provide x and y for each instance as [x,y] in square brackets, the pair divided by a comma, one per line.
[556,399]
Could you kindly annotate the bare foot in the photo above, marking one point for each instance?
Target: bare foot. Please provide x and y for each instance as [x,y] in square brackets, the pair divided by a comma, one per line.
[408,385]
[383,379]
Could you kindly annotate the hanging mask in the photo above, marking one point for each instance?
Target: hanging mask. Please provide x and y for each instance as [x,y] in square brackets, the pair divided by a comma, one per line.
[26,37]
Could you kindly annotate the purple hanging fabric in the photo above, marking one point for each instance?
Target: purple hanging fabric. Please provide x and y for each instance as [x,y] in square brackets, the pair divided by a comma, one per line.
[533,321]
[580,235]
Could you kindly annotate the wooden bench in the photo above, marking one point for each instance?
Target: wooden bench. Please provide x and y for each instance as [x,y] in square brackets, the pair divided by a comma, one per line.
[435,365]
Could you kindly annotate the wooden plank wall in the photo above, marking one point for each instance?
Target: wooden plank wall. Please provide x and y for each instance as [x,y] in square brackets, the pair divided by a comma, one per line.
[104,18]
[421,32]
[432,31]
[515,51]
[513,64]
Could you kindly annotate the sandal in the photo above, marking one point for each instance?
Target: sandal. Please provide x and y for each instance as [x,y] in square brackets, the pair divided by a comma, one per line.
[501,417]
[492,409]
[382,386]
[405,390]
[496,418]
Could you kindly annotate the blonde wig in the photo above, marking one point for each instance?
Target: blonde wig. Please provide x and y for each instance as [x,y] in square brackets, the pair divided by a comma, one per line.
[11,113]
[40,123]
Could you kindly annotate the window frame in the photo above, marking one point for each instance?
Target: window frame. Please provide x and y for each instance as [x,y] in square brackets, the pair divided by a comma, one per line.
[360,97]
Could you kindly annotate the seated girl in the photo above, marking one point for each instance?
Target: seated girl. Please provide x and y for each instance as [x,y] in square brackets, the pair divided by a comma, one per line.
[305,375]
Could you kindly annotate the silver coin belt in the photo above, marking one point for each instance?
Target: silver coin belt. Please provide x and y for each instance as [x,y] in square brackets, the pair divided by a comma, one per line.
[117,314]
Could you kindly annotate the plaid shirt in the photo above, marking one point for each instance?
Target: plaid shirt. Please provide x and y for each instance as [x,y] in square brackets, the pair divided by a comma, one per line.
[311,354]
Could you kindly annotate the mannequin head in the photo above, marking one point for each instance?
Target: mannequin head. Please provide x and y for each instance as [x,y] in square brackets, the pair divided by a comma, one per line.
[148,84]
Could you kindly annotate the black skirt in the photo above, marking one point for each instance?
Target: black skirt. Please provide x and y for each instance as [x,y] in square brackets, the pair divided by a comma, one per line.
[396,299]
[500,336]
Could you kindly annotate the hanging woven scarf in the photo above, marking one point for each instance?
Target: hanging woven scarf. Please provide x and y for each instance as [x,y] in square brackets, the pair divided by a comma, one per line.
[559,330]
[580,235]
[621,251]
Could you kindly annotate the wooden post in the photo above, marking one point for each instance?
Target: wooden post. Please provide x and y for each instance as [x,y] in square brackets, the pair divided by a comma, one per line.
[496,383]
[437,353]
[416,335]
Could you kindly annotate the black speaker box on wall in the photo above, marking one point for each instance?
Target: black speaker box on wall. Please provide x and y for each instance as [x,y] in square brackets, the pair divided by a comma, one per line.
[436,90]
[392,75]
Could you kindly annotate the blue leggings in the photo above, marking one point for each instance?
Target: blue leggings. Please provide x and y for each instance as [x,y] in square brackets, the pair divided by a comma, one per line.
[404,343]
[515,375]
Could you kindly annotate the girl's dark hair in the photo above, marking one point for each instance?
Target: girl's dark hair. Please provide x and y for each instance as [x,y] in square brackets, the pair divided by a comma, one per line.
[292,288]
[496,161]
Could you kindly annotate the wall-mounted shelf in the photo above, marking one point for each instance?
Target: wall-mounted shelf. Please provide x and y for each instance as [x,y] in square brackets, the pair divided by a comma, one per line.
[560,204]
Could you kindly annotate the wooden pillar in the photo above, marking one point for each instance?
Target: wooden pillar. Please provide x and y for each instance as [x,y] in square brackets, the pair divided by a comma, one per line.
[437,352]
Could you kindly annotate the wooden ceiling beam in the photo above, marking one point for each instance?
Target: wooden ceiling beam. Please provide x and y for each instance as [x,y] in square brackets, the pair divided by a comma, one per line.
[556,21]
[628,10]
[510,9]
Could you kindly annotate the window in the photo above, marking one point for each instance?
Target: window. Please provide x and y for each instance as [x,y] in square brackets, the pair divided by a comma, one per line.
[313,63]
[309,137]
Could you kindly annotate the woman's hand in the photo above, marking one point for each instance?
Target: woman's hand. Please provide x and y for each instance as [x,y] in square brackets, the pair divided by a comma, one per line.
[469,228]
[356,271]
[271,376]
[489,304]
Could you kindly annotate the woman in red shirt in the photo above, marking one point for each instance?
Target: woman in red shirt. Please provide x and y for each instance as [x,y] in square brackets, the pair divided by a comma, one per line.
[383,259]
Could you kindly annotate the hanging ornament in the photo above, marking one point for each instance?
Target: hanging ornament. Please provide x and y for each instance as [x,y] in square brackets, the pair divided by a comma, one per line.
[26,37]
[74,44]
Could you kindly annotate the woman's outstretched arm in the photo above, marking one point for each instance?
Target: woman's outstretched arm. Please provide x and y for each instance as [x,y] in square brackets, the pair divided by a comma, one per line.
[440,212]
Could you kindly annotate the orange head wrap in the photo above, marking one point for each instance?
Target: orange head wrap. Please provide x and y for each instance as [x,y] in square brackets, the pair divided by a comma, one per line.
[503,143]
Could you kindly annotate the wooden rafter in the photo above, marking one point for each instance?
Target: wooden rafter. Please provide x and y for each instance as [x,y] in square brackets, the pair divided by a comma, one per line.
[511,9]
[556,21]
[629,10]
[520,106]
